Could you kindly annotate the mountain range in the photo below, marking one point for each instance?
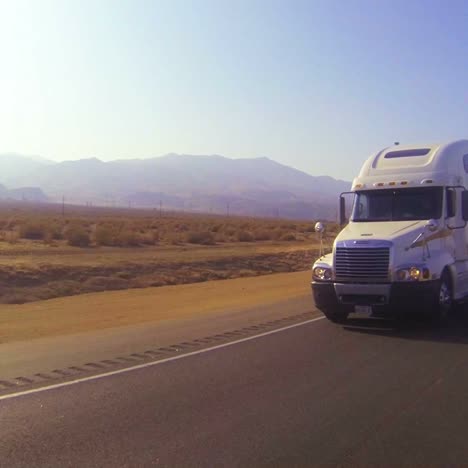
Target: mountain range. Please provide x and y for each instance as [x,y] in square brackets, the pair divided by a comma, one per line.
[256,186]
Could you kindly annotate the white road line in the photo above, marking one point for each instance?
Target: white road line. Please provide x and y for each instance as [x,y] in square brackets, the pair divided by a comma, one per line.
[155,363]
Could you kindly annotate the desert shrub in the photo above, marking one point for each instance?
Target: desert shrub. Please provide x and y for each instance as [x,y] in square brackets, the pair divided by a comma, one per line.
[277,234]
[77,237]
[148,238]
[48,239]
[262,235]
[288,237]
[55,232]
[230,231]
[200,237]
[104,235]
[219,237]
[174,240]
[182,227]
[127,239]
[11,223]
[33,230]
[245,236]
[11,237]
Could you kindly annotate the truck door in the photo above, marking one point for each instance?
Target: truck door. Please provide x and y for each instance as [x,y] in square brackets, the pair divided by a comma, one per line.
[457,239]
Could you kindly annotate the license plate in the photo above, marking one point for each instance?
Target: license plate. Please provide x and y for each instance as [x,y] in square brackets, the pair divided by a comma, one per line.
[360,309]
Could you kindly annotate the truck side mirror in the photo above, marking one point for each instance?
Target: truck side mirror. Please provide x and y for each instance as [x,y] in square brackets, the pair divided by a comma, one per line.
[343,219]
[465,205]
[451,202]
[345,215]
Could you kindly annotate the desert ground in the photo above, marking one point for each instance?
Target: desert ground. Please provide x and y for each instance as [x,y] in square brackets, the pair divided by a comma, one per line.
[100,311]
[50,251]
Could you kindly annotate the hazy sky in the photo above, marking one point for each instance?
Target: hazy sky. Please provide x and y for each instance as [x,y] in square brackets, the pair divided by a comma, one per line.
[318,85]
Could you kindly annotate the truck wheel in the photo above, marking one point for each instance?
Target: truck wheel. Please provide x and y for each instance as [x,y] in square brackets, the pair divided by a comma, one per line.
[336,316]
[444,300]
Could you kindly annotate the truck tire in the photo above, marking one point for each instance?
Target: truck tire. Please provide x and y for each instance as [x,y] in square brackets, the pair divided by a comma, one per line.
[336,315]
[443,301]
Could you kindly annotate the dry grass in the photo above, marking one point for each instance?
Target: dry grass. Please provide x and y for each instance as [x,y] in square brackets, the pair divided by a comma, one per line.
[44,255]
[32,282]
[128,228]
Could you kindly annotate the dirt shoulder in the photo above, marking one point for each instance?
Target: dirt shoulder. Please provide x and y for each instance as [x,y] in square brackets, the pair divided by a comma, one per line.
[99,311]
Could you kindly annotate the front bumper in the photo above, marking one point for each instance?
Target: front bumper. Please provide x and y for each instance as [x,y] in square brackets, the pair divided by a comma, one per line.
[386,298]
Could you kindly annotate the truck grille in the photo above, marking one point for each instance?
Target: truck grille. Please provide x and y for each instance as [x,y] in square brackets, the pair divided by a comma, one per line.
[362,264]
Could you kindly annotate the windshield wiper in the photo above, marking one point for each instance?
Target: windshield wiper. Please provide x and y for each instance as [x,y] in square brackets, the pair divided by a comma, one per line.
[371,220]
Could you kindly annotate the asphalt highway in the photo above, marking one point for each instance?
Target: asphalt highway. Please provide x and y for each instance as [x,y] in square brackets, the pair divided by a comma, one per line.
[313,394]
[28,357]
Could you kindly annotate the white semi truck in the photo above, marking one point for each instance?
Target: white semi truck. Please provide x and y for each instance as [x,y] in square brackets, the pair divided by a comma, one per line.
[405,245]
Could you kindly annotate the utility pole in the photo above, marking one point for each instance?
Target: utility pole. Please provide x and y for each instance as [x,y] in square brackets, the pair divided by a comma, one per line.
[227,209]
[63,205]
[160,208]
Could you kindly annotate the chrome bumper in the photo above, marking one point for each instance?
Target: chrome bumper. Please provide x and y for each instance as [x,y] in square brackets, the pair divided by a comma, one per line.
[369,294]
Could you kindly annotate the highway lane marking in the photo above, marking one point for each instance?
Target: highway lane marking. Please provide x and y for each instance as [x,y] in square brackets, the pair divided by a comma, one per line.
[155,363]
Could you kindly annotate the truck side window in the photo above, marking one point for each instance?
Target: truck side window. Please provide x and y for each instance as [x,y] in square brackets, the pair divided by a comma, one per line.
[465,162]
[451,195]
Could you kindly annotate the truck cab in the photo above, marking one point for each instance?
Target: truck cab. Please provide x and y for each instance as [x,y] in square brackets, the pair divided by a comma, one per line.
[405,245]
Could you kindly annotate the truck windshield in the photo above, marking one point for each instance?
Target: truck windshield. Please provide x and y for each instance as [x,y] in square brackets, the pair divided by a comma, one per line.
[398,204]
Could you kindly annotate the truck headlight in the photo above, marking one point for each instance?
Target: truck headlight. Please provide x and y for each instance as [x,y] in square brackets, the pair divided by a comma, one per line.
[413,273]
[321,273]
